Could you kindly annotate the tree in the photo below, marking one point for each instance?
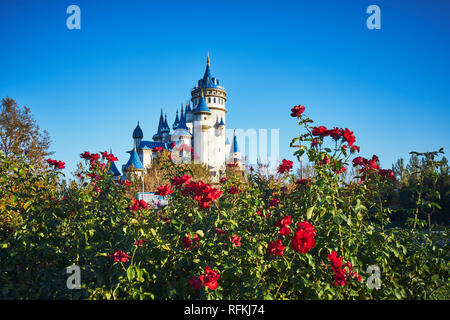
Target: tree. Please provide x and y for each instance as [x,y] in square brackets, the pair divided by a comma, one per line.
[21,137]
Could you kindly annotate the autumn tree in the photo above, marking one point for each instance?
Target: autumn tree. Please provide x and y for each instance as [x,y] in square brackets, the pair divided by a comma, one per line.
[20,136]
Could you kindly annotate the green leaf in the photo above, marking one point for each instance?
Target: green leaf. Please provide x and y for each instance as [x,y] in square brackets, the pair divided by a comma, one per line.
[200,233]
[309,212]
[130,273]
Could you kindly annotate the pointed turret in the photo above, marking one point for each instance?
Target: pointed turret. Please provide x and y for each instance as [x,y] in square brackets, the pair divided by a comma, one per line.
[113,170]
[158,134]
[202,106]
[188,106]
[207,81]
[165,127]
[134,163]
[177,121]
[182,124]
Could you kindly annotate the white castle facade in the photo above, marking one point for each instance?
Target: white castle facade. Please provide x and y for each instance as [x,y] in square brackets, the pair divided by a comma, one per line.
[199,132]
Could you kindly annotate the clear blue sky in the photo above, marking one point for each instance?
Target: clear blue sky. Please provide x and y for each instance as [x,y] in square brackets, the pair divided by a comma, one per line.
[89,87]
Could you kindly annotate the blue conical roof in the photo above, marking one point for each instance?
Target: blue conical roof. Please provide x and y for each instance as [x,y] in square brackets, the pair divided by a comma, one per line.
[182,124]
[160,126]
[177,121]
[165,127]
[221,122]
[201,106]
[113,169]
[207,80]
[134,161]
[137,133]
[188,107]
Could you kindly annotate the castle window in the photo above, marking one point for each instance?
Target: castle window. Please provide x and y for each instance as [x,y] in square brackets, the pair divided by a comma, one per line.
[214,100]
[209,100]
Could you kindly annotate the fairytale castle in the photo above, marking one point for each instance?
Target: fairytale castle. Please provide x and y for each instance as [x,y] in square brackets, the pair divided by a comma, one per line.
[198,132]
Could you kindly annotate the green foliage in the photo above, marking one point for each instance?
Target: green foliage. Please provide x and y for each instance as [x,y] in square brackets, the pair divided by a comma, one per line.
[85,223]
[422,191]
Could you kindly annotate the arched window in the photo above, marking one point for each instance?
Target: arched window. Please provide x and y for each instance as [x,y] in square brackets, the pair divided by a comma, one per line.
[214,100]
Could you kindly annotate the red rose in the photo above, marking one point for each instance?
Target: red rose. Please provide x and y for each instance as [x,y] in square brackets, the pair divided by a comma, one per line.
[120,256]
[139,242]
[111,158]
[387,173]
[276,248]
[335,261]
[195,283]
[233,190]
[157,149]
[283,224]
[85,155]
[274,202]
[320,131]
[358,161]
[164,190]
[286,165]
[341,272]
[349,137]
[204,204]
[143,204]
[209,278]
[297,111]
[56,163]
[236,240]
[138,205]
[223,179]
[178,181]
[303,240]
[336,133]
[203,193]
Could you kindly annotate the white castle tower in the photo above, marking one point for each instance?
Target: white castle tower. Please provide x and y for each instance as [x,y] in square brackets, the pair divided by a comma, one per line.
[209,118]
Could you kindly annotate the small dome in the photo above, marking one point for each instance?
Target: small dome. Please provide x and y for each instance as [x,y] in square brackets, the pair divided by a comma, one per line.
[137,133]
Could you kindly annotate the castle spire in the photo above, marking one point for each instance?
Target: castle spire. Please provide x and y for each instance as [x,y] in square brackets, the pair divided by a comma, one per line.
[207,60]
[177,121]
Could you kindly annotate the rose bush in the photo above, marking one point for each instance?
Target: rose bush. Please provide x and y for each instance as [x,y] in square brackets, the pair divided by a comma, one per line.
[251,238]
